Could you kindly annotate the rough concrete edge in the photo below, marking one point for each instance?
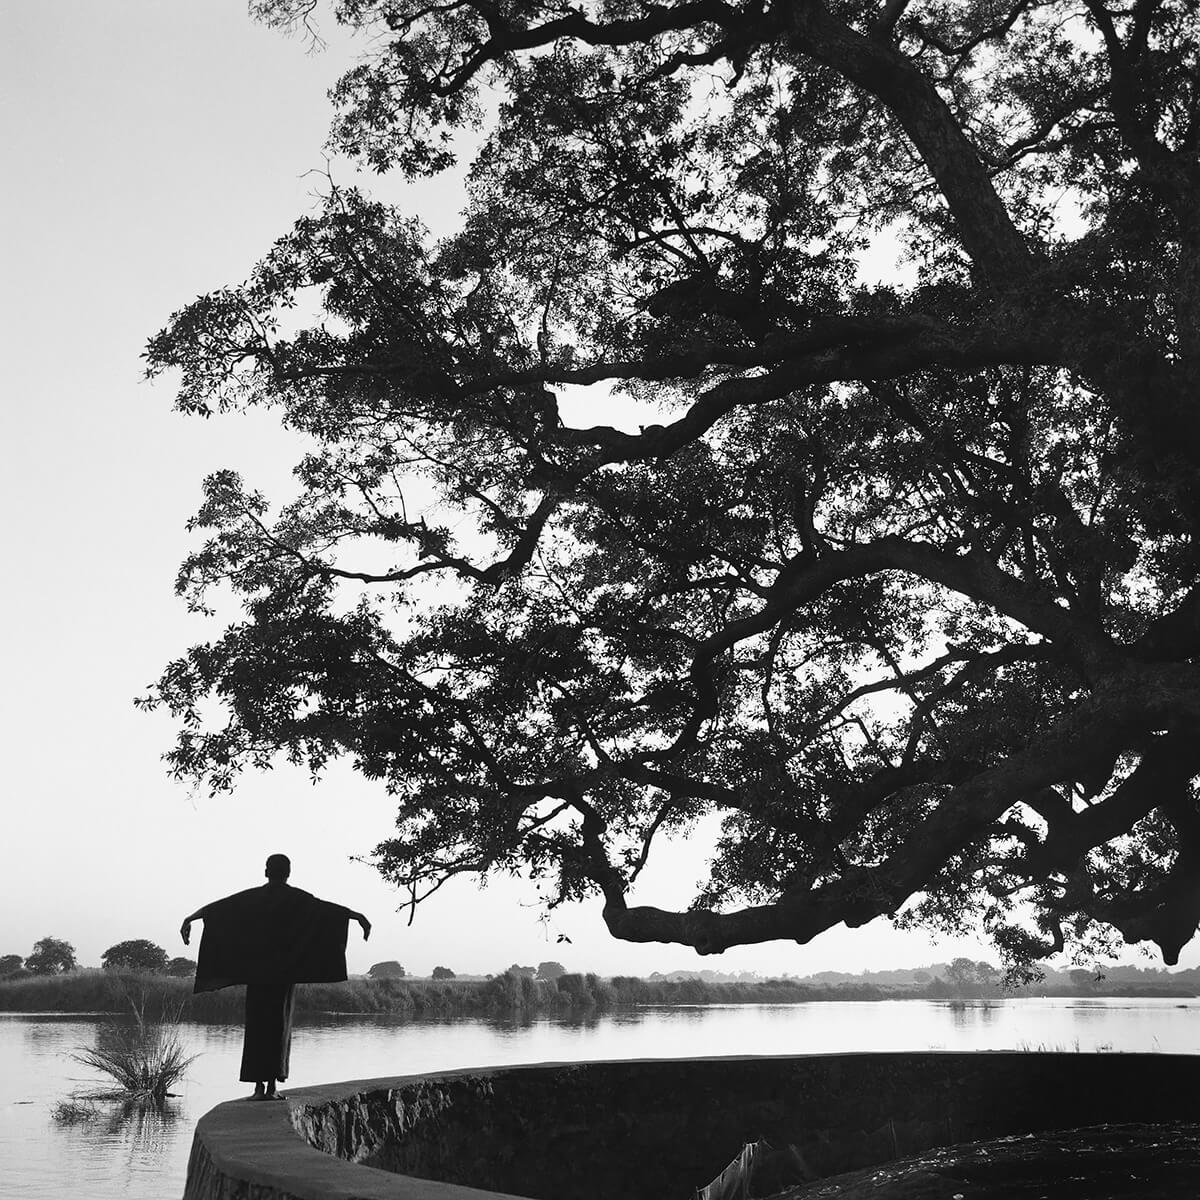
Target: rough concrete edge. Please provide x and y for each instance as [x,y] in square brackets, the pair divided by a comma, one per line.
[256,1151]
[242,1143]
[243,1148]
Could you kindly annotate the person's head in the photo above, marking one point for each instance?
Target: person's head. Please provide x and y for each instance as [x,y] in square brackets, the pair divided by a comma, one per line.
[279,867]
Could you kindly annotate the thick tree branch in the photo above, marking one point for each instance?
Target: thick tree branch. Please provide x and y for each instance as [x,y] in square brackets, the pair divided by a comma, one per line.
[659,19]
[1167,766]
[885,25]
[971,575]
[863,894]
[988,234]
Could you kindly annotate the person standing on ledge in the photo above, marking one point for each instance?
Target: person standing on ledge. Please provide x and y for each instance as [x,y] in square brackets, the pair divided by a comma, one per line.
[270,938]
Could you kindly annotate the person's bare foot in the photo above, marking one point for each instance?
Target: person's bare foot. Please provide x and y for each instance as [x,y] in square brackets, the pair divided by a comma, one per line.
[275,1096]
[259,1093]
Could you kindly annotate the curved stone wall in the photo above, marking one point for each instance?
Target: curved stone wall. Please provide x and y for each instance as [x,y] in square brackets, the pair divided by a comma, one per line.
[656,1129]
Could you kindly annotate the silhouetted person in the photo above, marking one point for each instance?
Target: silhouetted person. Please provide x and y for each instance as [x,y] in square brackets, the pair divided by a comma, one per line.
[270,938]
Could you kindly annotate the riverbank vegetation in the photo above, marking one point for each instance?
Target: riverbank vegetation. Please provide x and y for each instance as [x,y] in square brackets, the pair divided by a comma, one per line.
[143,1059]
[140,1059]
[106,991]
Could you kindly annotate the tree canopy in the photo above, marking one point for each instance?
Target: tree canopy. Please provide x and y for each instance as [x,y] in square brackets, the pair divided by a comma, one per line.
[965,974]
[386,970]
[50,956]
[136,954]
[889,553]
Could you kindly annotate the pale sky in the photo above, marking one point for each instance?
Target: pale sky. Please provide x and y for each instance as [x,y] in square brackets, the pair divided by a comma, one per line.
[153,149]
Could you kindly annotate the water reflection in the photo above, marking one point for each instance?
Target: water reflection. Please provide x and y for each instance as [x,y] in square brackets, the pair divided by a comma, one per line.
[46,1039]
[967,1013]
[110,1151]
[627,1016]
[141,1124]
[691,1012]
[50,1018]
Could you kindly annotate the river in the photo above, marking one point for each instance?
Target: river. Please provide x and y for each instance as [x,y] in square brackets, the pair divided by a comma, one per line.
[113,1156]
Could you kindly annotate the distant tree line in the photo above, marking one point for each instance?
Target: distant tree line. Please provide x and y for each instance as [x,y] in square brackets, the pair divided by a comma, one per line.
[53,956]
[389,987]
[49,956]
[546,971]
[509,994]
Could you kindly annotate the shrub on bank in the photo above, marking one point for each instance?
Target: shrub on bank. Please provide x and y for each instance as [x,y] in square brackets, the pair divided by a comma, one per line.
[510,992]
[586,991]
[398,997]
[86,991]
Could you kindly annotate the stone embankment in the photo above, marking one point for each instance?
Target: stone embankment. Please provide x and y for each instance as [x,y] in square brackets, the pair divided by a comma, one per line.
[656,1129]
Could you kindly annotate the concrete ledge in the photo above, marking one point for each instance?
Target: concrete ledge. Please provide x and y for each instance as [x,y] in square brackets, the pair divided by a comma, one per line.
[244,1150]
[655,1129]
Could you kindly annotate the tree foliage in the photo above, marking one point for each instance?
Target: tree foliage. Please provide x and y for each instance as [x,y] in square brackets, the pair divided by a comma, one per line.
[10,964]
[51,956]
[136,954]
[181,967]
[444,973]
[965,973]
[550,971]
[386,970]
[894,569]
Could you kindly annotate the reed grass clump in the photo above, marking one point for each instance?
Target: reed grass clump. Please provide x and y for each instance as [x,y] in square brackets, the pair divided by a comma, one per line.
[144,1058]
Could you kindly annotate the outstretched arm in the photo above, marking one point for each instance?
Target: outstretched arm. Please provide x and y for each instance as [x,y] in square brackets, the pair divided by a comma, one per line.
[366,925]
[185,930]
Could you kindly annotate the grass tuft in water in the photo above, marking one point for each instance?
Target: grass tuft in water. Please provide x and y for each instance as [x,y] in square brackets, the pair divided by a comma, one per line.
[144,1058]
[74,1111]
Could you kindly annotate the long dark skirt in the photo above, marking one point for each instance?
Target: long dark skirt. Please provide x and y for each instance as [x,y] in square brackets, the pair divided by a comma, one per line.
[267,1047]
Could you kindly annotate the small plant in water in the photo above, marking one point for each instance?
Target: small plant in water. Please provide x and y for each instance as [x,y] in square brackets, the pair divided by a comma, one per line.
[144,1058]
[74,1111]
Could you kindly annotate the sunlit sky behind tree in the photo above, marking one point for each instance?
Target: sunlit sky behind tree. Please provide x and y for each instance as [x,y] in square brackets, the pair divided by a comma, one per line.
[153,151]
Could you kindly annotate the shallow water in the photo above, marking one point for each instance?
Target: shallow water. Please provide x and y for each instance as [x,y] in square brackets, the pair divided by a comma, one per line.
[139,1156]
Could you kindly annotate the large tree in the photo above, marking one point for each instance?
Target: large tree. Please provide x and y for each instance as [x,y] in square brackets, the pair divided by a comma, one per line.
[893,564]
[386,970]
[137,954]
[51,956]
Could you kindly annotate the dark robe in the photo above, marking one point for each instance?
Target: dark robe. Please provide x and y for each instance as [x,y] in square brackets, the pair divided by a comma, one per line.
[275,934]
[267,1045]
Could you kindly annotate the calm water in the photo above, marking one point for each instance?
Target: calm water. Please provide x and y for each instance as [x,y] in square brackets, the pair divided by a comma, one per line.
[114,1157]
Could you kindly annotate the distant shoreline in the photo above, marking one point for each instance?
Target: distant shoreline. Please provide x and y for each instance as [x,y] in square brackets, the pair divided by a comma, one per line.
[160,996]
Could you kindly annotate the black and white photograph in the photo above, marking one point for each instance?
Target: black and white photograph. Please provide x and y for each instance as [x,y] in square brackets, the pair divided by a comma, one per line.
[602,600]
